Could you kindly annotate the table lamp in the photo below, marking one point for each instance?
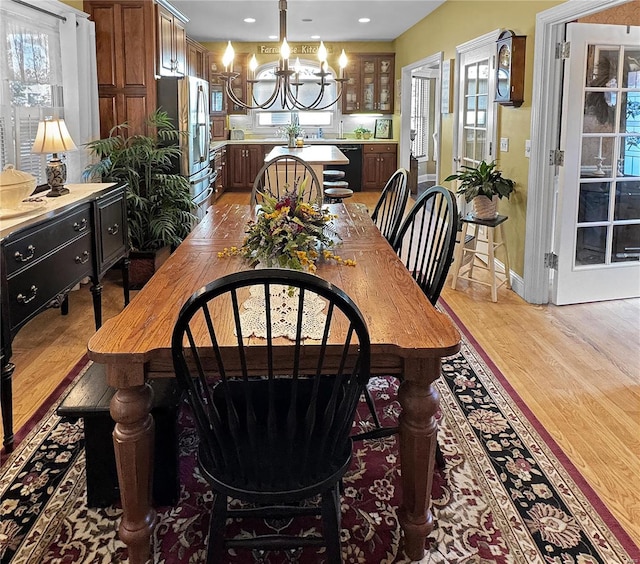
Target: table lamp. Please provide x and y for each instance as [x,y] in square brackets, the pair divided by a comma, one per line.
[53,137]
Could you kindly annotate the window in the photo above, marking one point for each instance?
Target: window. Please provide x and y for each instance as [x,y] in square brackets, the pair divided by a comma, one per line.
[43,53]
[420,88]
[307,93]
[31,63]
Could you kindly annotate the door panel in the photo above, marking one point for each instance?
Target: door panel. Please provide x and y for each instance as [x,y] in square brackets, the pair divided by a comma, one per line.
[598,216]
[476,108]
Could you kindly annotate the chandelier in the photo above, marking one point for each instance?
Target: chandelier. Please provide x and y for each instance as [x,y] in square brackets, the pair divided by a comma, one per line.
[287,79]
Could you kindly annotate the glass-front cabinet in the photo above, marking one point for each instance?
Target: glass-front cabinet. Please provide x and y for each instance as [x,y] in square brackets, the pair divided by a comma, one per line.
[370,84]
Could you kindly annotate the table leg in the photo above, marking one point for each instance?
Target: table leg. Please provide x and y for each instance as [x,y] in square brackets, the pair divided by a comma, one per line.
[133,445]
[418,427]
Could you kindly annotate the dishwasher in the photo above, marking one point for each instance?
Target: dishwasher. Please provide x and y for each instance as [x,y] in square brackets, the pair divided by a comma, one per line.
[352,171]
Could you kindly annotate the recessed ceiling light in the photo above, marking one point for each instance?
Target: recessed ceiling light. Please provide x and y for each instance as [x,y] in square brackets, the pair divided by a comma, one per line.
[273,37]
[364,20]
[307,20]
[249,20]
[315,37]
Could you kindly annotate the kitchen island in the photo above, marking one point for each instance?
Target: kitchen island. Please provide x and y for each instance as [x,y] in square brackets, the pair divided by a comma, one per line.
[317,156]
[313,154]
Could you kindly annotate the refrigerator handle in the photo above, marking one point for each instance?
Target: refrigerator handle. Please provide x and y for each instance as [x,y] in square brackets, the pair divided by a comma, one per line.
[202,125]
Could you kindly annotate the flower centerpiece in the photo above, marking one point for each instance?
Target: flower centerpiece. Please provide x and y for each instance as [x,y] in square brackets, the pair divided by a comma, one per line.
[288,233]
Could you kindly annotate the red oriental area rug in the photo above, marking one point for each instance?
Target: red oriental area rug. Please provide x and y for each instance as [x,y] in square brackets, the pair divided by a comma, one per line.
[507,494]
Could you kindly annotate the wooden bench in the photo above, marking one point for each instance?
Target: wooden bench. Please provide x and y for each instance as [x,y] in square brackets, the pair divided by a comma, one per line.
[89,398]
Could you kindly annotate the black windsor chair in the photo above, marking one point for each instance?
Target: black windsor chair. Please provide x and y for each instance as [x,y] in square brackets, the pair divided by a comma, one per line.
[425,242]
[389,209]
[286,172]
[273,419]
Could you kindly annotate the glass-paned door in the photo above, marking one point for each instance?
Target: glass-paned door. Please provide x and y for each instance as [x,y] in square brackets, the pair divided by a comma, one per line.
[476,111]
[598,220]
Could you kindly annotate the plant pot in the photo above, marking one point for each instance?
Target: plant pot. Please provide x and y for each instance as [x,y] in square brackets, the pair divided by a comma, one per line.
[366,135]
[485,208]
[358,135]
[143,265]
[292,141]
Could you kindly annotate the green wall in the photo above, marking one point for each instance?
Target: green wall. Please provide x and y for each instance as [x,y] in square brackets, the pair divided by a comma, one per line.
[454,23]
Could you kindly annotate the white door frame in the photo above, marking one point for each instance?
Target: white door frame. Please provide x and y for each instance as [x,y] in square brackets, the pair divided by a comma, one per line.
[545,123]
[404,143]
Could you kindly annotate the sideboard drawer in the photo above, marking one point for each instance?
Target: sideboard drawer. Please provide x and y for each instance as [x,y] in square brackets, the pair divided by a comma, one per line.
[35,243]
[33,289]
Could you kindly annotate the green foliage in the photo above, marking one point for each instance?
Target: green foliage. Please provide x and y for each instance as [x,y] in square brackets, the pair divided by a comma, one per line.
[158,203]
[361,130]
[483,180]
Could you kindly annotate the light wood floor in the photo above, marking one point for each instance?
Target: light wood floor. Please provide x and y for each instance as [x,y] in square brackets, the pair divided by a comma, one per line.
[576,367]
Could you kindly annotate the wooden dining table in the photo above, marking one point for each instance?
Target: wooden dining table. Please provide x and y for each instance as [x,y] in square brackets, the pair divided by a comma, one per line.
[408,335]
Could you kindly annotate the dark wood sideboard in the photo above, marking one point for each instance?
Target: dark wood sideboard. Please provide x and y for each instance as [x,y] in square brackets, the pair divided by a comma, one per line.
[48,252]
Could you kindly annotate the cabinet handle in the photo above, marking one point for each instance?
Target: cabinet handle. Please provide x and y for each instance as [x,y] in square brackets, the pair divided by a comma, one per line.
[22,299]
[80,226]
[114,229]
[22,258]
[82,259]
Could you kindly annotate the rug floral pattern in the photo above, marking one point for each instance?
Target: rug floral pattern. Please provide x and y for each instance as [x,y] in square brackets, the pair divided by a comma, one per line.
[502,498]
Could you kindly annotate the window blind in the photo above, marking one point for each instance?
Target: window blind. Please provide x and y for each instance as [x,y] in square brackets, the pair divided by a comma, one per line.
[420,88]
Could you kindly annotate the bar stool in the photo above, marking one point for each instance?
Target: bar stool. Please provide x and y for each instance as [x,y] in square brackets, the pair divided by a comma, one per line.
[463,268]
[336,190]
[330,174]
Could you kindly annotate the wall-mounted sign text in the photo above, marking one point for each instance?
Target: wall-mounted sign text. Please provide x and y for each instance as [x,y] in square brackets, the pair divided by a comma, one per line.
[295,49]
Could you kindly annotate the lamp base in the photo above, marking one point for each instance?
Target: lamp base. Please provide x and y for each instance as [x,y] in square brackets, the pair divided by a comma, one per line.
[57,191]
[56,177]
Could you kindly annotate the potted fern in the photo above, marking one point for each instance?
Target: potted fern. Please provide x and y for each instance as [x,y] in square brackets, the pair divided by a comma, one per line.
[159,204]
[483,185]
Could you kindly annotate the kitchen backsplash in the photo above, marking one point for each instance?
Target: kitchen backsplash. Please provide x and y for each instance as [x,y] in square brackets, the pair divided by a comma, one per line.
[350,123]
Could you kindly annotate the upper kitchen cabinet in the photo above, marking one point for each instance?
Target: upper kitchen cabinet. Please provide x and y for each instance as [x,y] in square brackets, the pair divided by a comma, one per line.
[172,42]
[197,60]
[239,85]
[134,39]
[370,84]
[125,52]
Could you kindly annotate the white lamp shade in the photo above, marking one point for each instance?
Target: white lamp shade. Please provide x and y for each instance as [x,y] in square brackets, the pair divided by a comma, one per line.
[53,137]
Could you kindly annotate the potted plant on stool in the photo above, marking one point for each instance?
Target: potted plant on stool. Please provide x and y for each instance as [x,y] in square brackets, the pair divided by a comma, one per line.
[483,185]
[159,203]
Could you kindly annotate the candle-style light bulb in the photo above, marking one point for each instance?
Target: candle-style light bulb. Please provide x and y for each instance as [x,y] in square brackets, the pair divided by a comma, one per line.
[253,64]
[342,60]
[227,58]
[322,52]
[285,50]
[297,66]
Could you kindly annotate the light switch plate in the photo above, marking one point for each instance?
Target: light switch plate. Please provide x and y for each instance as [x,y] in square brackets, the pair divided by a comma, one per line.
[504,144]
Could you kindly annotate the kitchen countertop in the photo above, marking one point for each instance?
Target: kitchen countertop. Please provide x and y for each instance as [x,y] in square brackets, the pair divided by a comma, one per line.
[313,154]
[312,141]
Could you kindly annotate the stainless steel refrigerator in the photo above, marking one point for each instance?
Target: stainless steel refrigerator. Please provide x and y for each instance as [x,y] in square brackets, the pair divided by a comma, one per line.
[186,100]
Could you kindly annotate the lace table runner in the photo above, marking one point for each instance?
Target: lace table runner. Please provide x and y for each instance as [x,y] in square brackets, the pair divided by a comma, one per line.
[284,313]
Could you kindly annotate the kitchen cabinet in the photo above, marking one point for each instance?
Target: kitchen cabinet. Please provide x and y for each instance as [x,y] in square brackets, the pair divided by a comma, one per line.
[197,60]
[172,44]
[239,85]
[369,86]
[379,162]
[218,127]
[219,167]
[245,161]
[136,40]
[126,84]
